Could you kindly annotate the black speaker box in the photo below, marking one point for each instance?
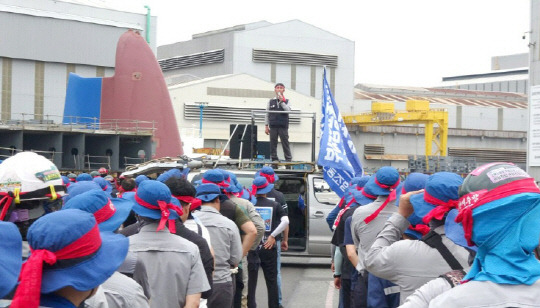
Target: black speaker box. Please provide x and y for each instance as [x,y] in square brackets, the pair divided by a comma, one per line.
[237,139]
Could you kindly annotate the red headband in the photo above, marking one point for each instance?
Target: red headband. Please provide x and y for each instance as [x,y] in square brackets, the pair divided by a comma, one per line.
[254,188]
[390,187]
[220,184]
[105,212]
[6,201]
[164,207]
[420,228]
[338,218]
[28,292]
[229,194]
[368,195]
[270,177]
[195,203]
[374,215]
[470,201]
[440,209]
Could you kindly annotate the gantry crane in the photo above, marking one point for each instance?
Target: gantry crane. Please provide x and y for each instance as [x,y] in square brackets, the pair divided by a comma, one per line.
[417,112]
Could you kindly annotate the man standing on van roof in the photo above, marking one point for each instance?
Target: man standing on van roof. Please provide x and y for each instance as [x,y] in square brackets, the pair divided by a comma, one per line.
[277,124]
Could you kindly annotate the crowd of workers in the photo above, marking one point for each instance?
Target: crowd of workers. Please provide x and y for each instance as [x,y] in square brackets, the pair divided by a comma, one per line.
[438,240]
[92,240]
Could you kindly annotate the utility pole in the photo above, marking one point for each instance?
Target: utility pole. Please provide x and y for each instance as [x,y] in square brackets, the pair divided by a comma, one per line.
[201,107]
[533,133]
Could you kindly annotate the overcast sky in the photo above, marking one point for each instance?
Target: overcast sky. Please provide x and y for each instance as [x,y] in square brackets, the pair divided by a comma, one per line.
[412,42]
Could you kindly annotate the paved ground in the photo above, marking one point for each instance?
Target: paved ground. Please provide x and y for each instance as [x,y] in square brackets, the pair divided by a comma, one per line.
[306,282]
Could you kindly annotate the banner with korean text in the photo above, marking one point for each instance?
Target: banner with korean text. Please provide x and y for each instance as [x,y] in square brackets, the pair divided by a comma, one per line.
[337,154]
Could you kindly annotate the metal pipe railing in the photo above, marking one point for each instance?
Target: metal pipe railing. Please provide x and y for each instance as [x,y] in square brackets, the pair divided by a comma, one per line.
[49,122]
[312,115]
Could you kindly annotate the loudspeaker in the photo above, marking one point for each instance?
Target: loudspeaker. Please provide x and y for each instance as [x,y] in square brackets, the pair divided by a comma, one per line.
[247,146]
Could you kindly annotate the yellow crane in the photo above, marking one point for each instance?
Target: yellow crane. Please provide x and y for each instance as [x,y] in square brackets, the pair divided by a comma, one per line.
[417,112]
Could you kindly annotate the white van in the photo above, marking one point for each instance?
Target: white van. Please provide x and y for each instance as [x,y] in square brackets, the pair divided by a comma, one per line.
[309,234]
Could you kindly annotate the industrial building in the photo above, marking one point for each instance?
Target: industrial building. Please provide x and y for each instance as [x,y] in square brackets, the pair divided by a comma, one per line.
[231,72]
[291,52]
[43,41]
[509,73]
[486,126]
[229,100]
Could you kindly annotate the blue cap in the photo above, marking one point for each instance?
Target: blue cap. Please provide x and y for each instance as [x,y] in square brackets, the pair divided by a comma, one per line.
[362,199]
[369,190]
[65,180]
[360,181]
[454,231]
[415,181]
[414,219]
[226,175]
[11,260]
[172,173]
[245,194]
[208,192]
[104,184]
[80,187]
[214,176]
[83,177]
[140,178]
[348,195]
[151,192]
[441,185]
[95,200]
[385,176]
[268,172]
[261,186]
[59,229]
[235,186]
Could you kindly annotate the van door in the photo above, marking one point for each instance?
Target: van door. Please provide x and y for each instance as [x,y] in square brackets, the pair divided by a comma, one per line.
[293,189]
[321,201]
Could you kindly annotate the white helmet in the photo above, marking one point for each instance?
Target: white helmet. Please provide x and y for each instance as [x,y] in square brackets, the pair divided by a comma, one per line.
[29,176]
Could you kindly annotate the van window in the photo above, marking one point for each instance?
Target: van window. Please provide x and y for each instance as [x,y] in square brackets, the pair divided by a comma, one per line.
[323,192]
[246,180]
[243,178]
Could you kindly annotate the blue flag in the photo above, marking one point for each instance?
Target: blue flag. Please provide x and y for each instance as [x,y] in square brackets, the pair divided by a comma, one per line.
[337,153]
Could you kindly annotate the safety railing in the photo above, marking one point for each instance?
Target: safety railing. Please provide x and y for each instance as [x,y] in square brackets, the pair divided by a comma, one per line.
[52,122]
[131,161]
[300,114]
[94,162]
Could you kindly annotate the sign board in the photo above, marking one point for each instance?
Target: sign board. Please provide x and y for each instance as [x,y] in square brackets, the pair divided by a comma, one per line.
[533,152]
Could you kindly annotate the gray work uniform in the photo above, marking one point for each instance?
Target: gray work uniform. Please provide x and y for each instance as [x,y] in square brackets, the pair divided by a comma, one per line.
[489,294]
[167,266]
[408,263]
[225,241]
[364,234]
[423,295]
[122,291]
[99,300]
[227,253]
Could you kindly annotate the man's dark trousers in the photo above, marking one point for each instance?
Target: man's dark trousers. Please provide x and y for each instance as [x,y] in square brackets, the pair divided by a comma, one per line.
[283,134]
[239,283]
[267,259]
